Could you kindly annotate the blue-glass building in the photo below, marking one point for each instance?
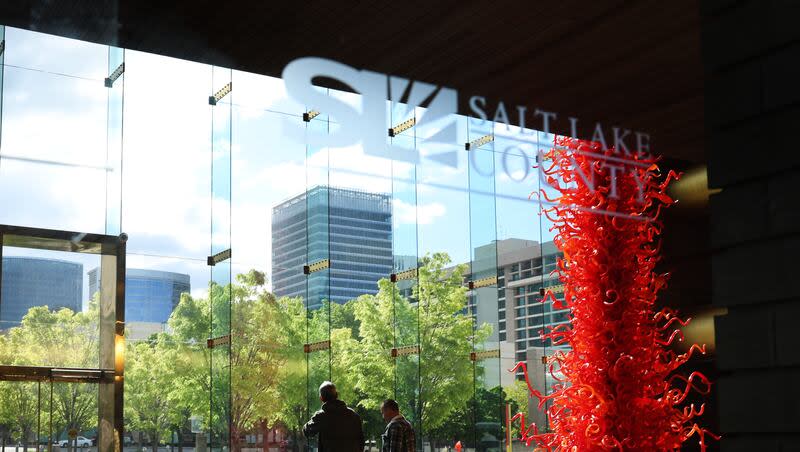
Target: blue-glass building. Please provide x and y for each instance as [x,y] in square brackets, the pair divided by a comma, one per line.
[150,295]
[29,282]
[351,228]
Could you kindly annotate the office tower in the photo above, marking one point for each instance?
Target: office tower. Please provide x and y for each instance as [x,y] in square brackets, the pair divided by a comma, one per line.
[150,295]
[29,282]
[351,228]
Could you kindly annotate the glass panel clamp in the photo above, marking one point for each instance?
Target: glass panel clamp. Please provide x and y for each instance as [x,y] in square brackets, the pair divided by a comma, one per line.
[309,115]
[483,282]
[475,144]
[404,275]
[316,266]
[212,100]
[317,346]
[109,82]
[219,257]
[484,354]
[217,341]
[402,127]
[405,351]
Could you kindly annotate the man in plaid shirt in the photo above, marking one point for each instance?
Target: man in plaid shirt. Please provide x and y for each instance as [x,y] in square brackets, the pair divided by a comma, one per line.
[399,434]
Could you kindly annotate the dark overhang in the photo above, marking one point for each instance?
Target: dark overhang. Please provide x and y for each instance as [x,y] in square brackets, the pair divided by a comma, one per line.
[634,64]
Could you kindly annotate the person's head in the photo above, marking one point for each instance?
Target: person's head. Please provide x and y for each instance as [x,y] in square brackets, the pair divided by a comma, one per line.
[389,409]
[327,392]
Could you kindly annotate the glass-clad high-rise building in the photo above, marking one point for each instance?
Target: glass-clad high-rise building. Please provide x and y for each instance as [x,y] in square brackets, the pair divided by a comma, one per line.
[29,282]
[353,227]
[150,295]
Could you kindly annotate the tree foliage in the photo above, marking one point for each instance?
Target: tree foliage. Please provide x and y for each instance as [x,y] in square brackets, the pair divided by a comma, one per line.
[263,377]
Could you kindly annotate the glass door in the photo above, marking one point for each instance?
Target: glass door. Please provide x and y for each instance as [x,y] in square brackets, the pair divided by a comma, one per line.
[43,410]
[61,340]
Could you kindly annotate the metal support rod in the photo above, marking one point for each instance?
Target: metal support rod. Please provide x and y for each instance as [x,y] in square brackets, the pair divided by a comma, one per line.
[38,415]
[119,363]
[50,434]
[1,273]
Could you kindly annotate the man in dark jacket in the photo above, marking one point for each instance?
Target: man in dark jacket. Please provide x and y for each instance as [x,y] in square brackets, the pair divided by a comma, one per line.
[399,434]
[338,426]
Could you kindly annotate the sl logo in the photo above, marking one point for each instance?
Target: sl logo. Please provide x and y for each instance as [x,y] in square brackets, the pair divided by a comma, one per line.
[436,126]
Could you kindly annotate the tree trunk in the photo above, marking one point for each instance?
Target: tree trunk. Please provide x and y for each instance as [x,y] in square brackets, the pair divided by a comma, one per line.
[235,441]
[154,441]
[180,439]
[295,441]
[264,434]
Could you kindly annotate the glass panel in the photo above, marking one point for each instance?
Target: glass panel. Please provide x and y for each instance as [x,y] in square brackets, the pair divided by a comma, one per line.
[318,289]
[519,265]
[221,287]
[116,58]
[487,395]
[446,372]
[406,307]
[20,415]
[74,416]
[269,388]
[70,157]
[46,312]
[54,54]
[167,129]
[2,71]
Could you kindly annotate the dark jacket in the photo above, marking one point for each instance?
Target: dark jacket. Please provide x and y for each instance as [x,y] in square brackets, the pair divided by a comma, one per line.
[399,436]
[339,428]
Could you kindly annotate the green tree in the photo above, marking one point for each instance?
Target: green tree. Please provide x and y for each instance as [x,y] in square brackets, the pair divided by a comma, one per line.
[265,338]
[61,338]
[437,323]
[149,380]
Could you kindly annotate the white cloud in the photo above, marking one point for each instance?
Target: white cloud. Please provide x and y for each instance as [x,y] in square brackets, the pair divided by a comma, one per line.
[423,214]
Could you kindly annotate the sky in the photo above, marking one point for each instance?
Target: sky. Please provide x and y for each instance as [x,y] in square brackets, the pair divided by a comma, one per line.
[53,169]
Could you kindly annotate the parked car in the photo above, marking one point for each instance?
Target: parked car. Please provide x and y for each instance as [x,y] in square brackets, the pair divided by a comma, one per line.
[79,441]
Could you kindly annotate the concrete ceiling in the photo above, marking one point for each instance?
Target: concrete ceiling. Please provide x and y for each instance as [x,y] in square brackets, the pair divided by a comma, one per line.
[635,64]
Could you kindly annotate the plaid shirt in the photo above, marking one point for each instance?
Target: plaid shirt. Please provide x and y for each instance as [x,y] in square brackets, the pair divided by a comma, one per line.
[399,436]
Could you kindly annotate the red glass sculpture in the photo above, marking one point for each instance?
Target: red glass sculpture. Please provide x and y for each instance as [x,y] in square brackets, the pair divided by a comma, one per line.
[618,386]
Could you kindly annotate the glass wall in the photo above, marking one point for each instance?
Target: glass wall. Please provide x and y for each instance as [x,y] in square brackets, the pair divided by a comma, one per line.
[278,263]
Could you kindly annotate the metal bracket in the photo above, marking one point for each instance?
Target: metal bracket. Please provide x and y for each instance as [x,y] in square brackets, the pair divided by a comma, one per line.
[222,340]
[404,275]
[405,351]
[475,144]
[309,115]
[219,257]
[483,282]
[2,46]
[109,82]
[402,127]
[316,266]
[317,346]
[544,359]
[485,354]
[555,289]
[212,100]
